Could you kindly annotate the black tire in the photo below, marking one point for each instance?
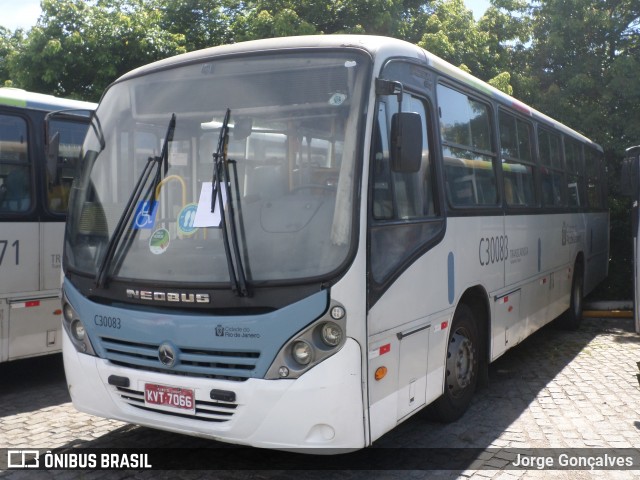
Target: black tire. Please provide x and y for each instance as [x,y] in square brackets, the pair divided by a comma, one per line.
[571,319]
[461,375]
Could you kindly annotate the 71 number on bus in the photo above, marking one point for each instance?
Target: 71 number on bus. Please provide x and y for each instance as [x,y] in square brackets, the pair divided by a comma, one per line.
[3,249]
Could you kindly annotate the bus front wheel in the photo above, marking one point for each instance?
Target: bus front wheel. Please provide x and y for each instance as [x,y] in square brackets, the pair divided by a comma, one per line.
[461,373]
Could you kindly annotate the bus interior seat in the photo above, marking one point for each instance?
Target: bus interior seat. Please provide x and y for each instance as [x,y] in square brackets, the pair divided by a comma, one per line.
[463,191]
[512,193]
[266,182]
[59,196]
[16,196]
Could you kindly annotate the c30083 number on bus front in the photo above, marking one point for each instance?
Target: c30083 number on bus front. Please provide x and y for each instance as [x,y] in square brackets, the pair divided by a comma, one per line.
[109,322]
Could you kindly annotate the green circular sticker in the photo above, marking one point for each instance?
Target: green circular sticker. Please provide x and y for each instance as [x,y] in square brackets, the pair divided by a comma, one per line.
[159,241]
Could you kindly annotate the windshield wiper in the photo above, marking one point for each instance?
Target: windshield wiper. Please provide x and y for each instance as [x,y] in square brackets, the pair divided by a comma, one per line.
[221,180]
[161,164]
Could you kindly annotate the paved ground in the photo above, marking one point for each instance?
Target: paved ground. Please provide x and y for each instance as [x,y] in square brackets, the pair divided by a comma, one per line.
[561,390]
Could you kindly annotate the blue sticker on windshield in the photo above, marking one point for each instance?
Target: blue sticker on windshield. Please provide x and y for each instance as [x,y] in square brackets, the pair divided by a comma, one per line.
[145,216]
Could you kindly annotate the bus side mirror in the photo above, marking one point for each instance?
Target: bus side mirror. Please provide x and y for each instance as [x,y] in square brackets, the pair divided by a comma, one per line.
[53,150]
[406,142]
[629,177]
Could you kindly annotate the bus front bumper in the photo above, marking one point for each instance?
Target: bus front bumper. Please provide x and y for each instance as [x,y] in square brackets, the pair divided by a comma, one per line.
[323,409]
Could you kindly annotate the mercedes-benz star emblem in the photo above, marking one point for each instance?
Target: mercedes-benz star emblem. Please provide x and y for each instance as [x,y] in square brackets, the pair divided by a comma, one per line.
[167,355]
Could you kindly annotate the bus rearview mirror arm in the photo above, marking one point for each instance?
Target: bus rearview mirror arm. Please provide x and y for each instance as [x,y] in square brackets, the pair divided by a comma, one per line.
[406,131]
[390,87]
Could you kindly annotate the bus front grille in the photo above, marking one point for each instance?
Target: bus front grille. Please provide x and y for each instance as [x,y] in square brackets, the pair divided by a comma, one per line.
[191,362]
[217,412]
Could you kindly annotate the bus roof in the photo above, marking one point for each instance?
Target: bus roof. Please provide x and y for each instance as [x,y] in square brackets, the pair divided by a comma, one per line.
[16,97]
[376,46]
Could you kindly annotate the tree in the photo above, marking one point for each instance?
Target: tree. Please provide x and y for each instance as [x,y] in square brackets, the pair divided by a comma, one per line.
[78,48]
[581,51]
[270,18]
[486,49]
[452,33]
[10,44]
[585,61]
[502,82]
[203,23]
[267,19]
[508,27]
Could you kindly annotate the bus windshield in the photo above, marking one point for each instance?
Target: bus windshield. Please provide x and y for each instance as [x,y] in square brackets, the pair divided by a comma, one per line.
[290,156]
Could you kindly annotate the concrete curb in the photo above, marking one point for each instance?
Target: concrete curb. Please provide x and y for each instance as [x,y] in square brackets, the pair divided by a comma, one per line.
[610,305]
[607,314]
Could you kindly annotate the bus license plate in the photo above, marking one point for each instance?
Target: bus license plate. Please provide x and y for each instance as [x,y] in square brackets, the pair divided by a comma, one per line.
[165,396]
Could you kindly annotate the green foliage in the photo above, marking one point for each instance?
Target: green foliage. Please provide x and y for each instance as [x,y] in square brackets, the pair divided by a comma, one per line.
[78,48]
[266,23]
[271,18]
[502,82]
[585,61]
[10,44]
[452,33]
[202,23]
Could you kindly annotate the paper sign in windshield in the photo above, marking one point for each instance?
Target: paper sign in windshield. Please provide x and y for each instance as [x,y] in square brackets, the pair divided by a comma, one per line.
[204,216]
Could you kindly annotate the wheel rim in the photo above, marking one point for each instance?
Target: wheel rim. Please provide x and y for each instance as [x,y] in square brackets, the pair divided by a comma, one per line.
[460,361]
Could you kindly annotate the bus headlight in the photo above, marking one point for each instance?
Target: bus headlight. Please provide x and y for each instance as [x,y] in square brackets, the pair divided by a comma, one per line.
[302,352]
[78,331]
[331,334]
[68,312]
[75,328]
[317,342]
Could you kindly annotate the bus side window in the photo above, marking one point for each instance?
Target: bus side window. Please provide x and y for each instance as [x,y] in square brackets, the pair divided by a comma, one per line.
[15,185]
[595,195]
[517,160]
[552,171]
[465,128]
[403,208]
[401,196]
[382,196]
[71,135]
[575,176]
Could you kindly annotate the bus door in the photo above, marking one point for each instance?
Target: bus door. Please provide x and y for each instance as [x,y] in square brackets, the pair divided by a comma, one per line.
[404,224]
[629,186]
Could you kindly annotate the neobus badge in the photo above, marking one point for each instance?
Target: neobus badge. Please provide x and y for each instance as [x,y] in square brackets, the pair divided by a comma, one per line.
[159,296]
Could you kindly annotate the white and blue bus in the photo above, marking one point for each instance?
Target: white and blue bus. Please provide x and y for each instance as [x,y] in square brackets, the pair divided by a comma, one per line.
[33,204]
[302,242]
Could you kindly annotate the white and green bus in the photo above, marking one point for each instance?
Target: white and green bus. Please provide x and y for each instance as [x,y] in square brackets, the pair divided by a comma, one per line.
[33,203]
[302,242]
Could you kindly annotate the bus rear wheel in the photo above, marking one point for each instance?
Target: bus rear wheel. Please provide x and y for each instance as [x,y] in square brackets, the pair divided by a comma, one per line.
[571,319]
[462,363]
